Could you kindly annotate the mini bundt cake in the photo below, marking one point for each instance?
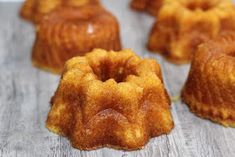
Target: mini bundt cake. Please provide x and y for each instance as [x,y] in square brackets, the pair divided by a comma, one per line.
[112,99]
[152,6]
[68,32]
[34,10]
[184,24]
[210,88]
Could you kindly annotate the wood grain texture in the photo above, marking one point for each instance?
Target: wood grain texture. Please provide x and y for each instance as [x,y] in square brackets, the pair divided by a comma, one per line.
[25,93]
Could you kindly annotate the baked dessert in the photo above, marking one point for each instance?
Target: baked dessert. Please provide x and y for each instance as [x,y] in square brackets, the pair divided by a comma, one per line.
[210,88]
[184,24]
[68,32]
[151,6]
[110,99]
[34,10]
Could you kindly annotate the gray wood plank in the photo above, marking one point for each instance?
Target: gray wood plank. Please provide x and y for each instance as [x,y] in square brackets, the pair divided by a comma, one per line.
[25,94]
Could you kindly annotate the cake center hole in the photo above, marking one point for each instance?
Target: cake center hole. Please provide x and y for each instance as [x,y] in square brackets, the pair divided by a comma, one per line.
[202,5]
[116,71]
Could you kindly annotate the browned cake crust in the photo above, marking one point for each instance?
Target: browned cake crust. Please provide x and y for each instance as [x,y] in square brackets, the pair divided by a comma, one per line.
[210,88]
[110,99]
[34,10]
[68,32]
[184,24]
[152,6]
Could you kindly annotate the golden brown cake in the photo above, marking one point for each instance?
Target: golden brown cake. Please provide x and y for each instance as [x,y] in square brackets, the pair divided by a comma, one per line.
[34,10]
[113,99]
[184,24]
[68,32]
[152,6]
[210,88]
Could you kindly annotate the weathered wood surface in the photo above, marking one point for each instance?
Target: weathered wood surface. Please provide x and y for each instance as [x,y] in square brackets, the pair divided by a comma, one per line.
[25,93]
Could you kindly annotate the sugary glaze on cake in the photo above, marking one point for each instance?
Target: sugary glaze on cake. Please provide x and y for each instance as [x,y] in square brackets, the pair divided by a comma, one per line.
[210,88]
[152,6]
[34,10]
[113,99]
[184,24]
[69,31]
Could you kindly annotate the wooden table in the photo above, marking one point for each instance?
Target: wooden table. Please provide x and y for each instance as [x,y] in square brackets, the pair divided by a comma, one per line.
[25,93]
